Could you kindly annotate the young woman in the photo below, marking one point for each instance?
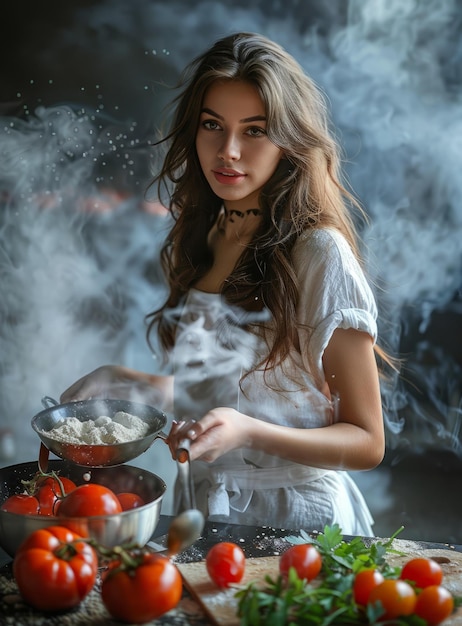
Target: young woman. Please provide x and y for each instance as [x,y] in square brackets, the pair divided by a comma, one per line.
[270,324]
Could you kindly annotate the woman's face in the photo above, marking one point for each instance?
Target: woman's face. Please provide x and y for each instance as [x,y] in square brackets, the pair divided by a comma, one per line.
[234,151]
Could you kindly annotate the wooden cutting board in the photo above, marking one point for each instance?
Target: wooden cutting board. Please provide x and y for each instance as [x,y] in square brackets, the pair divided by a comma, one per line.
[221,605]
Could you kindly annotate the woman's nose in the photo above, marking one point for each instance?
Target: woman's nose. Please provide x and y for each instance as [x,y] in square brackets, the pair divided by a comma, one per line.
[230,148]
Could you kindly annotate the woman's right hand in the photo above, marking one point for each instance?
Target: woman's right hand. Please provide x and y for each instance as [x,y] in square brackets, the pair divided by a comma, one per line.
[97,384]
[116,381]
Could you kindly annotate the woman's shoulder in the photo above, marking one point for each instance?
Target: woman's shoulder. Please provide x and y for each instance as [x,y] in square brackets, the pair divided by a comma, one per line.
[321,243]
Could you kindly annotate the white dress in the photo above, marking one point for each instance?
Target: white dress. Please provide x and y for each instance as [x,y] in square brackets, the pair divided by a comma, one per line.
[211,353]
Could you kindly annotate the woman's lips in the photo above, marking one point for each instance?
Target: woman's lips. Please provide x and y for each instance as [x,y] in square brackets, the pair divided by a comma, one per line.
[228,177]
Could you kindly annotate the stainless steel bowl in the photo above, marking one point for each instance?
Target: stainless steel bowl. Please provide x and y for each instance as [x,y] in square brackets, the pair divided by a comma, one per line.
[97,455]
[109,530]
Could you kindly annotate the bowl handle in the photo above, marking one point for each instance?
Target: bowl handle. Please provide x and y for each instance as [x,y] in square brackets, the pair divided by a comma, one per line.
[44,453]
[48,402]
[184,474]
[183,464]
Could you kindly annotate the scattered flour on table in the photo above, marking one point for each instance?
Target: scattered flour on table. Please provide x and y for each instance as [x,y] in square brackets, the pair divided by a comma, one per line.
[121,428]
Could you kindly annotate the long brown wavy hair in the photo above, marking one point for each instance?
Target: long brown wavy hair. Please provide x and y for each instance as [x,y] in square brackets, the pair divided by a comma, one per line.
[305,192]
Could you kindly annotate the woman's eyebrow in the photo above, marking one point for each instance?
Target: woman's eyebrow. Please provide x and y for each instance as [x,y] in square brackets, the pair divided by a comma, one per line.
[245,120]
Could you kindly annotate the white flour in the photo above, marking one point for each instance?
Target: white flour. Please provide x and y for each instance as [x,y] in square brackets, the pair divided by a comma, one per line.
[121,428]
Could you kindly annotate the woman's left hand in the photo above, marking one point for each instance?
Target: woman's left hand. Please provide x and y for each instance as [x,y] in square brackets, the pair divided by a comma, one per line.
[219,431]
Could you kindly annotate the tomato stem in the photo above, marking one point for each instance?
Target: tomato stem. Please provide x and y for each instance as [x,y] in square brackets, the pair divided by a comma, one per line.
[130,555]
[68,550]
[32,486]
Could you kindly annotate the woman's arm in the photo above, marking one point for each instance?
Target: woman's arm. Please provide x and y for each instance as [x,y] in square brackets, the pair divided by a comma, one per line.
[355,441]
[116,381]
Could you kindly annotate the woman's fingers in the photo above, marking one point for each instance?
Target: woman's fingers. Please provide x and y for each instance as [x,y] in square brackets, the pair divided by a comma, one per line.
[74,392]
[179,431]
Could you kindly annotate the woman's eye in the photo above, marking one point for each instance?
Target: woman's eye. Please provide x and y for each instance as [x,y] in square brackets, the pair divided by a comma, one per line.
[210,125]
[256,131]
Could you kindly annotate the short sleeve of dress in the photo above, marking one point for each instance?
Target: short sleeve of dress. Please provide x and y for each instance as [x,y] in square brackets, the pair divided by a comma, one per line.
[334,293]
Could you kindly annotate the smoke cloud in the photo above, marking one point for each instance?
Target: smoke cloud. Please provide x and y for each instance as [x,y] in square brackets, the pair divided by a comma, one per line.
[79,244]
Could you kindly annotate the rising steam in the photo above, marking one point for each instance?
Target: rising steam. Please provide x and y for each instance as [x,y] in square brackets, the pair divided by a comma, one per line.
[79,245]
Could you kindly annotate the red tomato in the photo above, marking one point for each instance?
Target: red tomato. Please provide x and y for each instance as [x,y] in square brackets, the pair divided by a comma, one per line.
[142,593]
[434,604]
[397,597]
[49,493]
[130,501]
[423,572]
[54,570]
[304,558]
[21,503]
[88,500]
[363,584]
[225,563]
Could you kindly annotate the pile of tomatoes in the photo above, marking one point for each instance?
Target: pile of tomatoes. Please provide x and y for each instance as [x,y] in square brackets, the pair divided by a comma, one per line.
[41,497]
[55,569]
[417,591]
[53,495]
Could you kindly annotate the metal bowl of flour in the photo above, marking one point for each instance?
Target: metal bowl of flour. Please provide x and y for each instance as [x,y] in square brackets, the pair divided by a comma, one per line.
[135,525]
[100,454]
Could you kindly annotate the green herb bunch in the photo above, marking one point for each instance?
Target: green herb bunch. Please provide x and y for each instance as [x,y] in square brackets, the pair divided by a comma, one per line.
[327,600]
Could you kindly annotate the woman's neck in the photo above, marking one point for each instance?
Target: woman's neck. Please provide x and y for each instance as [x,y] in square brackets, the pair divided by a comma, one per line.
[228,238]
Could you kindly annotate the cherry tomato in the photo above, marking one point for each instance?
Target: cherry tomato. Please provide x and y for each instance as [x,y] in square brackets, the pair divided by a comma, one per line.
[225,563]
[304,558]
[130,501]
[88,500]
[397,597]
[423,572]
[434,604]
[54,570]
[364,582]
[21,503]
[49,494]
[142,593]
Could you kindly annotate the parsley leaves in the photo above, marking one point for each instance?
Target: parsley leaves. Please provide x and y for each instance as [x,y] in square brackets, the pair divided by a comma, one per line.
[327,600]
